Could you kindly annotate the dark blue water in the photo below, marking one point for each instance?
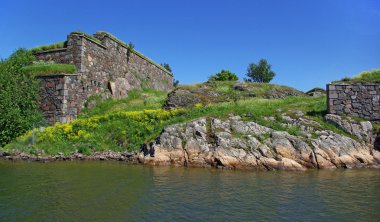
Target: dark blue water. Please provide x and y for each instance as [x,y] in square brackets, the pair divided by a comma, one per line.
[112,191]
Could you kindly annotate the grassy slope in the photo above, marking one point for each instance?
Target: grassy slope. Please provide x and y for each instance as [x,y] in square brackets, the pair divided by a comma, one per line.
[124,124]
[259,89]
[136,100]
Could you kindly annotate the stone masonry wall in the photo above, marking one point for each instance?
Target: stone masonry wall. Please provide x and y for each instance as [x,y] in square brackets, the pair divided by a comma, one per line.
[359,100]
[60,97]
[109,67]
[58,56]
[69,55]
[106,67]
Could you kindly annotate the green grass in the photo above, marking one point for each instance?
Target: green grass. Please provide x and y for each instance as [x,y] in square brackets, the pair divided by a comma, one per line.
[48,69]
[58,45]
[364,77]
[125,124]
[136,100]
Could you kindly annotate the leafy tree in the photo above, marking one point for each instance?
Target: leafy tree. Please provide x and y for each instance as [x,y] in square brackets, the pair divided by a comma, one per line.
[18,97]
[166,66]
[224,75]
[260,72]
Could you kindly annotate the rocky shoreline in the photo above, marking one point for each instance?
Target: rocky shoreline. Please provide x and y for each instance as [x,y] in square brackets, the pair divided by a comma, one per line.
[97,156]
[237,144]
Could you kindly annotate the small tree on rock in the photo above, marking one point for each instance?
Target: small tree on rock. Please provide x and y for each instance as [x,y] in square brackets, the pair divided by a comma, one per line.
[224,75]
[175,82]
[260,72]
[167,67]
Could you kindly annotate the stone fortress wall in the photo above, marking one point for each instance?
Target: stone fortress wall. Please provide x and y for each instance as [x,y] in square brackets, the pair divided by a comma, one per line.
[60,95]
[358,100]
[106,66]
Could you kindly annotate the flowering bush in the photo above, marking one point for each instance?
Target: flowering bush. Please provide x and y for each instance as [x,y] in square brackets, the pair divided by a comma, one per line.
[115,131]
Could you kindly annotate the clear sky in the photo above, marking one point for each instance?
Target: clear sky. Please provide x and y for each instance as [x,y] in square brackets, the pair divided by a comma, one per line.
[308,42]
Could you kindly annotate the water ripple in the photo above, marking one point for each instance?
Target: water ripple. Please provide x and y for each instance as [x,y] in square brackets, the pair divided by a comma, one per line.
[95,191]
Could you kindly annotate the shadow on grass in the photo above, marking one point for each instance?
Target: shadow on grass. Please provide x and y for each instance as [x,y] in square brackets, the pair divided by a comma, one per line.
[321,113]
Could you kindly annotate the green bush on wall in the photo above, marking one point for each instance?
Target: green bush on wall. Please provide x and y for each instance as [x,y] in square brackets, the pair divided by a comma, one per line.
[368,76]
[372,76]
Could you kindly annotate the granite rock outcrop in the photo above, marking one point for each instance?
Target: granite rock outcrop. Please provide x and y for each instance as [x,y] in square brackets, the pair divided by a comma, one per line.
[237,144]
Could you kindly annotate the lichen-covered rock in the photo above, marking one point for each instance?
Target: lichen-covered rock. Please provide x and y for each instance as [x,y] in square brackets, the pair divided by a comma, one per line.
[363,129]
[242,86]
[182,98]
[315,92]
[334,151]
[236,144]
[213,92]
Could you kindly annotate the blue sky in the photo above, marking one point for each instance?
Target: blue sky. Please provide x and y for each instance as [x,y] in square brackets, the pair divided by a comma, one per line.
[308,43]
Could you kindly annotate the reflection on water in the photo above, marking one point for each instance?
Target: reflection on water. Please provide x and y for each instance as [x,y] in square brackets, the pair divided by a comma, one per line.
[108,191]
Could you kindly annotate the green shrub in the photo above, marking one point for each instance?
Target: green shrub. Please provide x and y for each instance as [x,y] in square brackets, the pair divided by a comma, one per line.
[47,69]
[316,89]
[167,67]
[224,75]
[175,82]
[19,94]
[346,79]
[117,131]
[368,76]
[364,77]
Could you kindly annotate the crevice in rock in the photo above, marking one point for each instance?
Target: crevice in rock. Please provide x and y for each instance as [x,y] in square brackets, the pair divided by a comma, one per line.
[376,144]
[218,163]
[186,158]
[210,135]
[265,166]
[360,159]
[151,149]
[315,157]
[144,149]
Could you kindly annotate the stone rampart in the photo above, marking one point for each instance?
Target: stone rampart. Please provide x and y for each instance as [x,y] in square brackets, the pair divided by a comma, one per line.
[358,100]
[60,96]
[105,66]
